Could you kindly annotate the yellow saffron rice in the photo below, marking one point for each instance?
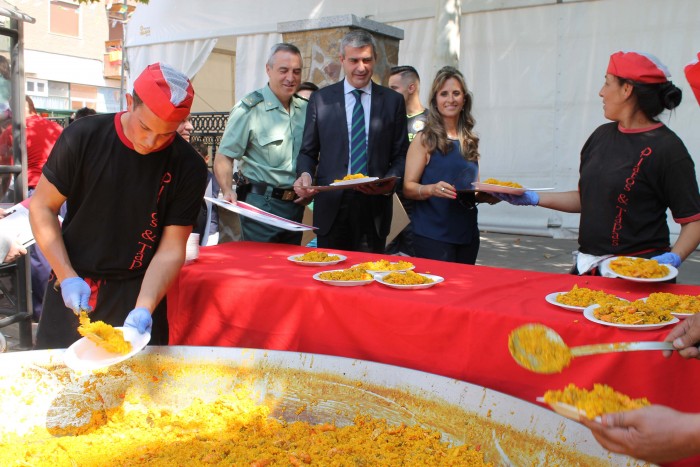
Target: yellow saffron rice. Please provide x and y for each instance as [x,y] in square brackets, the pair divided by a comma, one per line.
[384,265]
[103,334]
[317,257]
[638,267]
[406,278]
[494,181]
[598,401]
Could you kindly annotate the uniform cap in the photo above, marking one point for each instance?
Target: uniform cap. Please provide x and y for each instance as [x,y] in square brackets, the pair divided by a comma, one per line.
[166,91]
[638,67]
[692,74]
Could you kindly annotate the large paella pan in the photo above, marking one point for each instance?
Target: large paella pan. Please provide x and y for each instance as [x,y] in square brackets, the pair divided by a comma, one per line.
[44,404]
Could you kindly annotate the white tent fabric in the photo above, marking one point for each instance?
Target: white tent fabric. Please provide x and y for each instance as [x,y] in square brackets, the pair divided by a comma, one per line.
[251,57]
[535,72]
[186,56]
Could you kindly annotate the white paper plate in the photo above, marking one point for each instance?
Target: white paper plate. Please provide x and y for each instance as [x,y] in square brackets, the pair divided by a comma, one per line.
[341,283]
[552,298]
[566,410]
[356,181]
[488,187]
[436,280]
[294,260]
[588,313]
[605,270]
[85,355]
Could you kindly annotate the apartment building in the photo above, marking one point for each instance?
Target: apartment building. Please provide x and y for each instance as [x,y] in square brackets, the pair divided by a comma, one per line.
[72,54]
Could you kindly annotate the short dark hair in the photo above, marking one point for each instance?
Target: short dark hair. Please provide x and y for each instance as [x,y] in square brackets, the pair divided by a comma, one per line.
[84,112]
[406,71]
[307,86]
[137,99]
[282,47]
[358,38]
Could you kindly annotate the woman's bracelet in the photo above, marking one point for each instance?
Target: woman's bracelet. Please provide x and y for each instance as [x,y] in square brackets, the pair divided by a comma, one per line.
[420,187]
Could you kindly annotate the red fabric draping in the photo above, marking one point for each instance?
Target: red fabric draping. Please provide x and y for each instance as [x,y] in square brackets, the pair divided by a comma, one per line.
[249,295]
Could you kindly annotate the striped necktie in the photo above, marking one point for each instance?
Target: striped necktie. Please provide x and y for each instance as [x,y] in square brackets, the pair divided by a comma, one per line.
[358,138]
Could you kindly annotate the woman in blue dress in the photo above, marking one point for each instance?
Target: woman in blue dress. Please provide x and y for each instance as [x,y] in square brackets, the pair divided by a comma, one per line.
[442,162]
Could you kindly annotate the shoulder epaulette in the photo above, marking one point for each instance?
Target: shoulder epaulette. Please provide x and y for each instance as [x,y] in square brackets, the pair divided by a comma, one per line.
[253,99]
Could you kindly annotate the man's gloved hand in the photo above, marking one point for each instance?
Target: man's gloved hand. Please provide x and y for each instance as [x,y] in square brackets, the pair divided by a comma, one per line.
[139,318]
[76,294]
[669,258]
[529,198]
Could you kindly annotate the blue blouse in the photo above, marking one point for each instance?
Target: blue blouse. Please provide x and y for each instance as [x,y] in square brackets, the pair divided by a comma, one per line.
[443,219]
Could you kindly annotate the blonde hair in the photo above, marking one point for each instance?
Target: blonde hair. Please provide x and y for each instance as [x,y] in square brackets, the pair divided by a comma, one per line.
[435,135]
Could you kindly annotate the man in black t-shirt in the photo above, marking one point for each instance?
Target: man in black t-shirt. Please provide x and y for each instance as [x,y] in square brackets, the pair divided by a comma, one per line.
[133,189]
[406,81]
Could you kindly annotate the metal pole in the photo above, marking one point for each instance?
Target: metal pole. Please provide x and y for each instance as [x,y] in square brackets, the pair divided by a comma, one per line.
[122,85]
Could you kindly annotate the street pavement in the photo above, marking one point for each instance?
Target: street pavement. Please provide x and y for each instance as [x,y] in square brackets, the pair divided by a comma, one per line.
[532,253]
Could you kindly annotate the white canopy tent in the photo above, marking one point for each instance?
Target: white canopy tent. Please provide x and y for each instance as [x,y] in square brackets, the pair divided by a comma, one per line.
[535,68]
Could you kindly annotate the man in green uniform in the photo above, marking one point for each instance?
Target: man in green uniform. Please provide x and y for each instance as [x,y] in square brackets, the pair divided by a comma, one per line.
[264,133]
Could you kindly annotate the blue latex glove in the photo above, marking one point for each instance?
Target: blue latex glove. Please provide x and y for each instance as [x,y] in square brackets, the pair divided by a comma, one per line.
[76,294]
[529,198]
[139,318]
[669,258]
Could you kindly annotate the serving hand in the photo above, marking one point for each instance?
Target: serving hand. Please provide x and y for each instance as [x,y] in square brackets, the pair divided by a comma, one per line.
[669,258]
[300,188]
[140,319]
[528,198]
[76,294]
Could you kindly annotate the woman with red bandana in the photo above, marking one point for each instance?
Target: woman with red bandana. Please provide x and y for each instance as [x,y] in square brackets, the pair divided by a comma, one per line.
[632,170]
[656,433]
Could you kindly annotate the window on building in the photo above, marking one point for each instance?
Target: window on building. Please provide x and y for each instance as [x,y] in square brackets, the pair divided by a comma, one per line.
[49,95]
[64,18]
[37,87]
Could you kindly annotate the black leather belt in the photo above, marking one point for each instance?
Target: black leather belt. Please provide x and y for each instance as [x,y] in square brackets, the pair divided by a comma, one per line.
[262,190]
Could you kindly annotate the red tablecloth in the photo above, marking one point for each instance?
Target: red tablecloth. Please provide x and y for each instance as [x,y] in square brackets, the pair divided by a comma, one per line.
[249,295]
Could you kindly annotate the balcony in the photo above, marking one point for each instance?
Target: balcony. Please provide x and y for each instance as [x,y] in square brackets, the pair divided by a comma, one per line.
[112,60]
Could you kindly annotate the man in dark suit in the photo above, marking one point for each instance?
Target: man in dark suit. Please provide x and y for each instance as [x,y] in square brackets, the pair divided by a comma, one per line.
[356,219]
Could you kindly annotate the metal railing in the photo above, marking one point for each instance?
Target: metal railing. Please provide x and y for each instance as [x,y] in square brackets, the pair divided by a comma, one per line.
[208,127]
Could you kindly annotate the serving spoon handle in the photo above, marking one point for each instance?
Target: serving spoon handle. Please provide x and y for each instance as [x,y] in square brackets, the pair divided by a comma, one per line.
[619,347]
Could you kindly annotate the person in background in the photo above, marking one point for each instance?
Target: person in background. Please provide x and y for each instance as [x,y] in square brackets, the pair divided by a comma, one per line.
[185,128]
[133,189]
[263,134]
[207,225]
[10,249]
[306,89]
[656,433]
[442,158]
[406,81]
[358,127]
[632,170]
[82,112]
[41,136]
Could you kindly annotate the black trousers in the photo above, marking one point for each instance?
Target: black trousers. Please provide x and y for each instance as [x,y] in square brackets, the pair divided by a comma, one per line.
[353,228]
[433,249]
[111,300]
